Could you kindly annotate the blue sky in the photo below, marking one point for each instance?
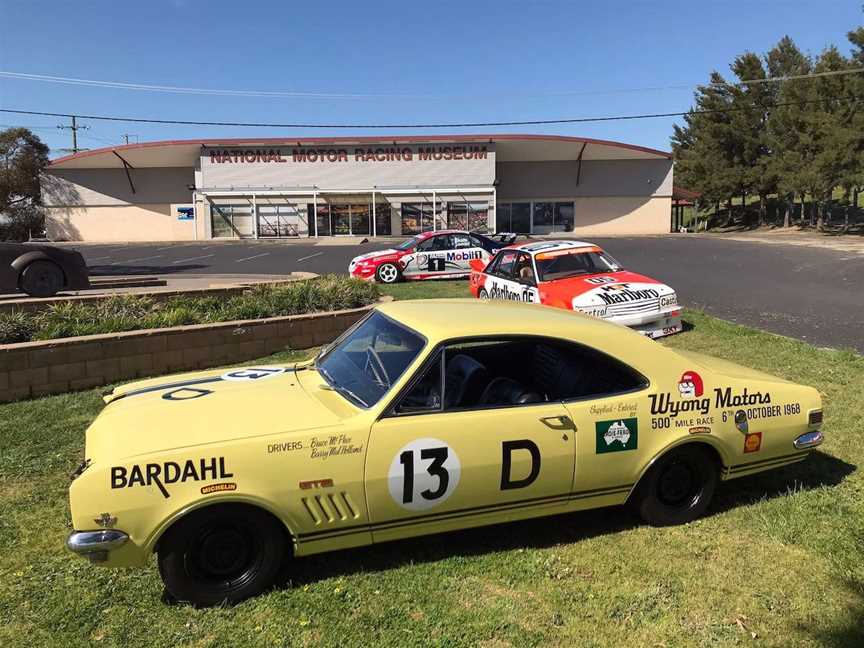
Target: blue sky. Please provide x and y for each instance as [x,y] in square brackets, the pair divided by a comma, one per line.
[443,61]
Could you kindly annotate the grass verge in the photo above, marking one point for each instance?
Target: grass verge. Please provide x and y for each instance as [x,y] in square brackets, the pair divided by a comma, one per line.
[778,557]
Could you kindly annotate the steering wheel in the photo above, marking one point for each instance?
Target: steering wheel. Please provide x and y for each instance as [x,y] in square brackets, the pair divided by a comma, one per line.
[376,367]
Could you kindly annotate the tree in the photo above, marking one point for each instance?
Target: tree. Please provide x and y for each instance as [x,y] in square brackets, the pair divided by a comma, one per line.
[786,120]
[705,147]
[23,156]
[751,103]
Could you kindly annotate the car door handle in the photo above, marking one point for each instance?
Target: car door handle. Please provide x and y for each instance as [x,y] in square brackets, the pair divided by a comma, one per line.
[562,422]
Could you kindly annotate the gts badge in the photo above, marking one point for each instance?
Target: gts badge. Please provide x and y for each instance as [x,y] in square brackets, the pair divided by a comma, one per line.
[170,472]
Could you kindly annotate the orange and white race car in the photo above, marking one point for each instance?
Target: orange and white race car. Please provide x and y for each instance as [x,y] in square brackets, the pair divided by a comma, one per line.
[578,276]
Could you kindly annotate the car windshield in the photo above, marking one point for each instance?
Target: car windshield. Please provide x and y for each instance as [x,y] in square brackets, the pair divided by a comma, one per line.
[408,244]
[364,363]
[561,264]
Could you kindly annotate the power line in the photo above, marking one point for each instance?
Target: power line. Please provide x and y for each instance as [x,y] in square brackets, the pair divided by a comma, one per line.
[123,85]
[531,122]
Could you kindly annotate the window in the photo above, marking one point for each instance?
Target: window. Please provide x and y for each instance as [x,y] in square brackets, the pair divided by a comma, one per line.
[435,243]
[515,371]
[460,241]
[468,216]
[561,264]
[505,263]
[228,221]
[382,219]
[363,364]
[553,217]
[524,269]
[278,220]
[514,217]
[416,218]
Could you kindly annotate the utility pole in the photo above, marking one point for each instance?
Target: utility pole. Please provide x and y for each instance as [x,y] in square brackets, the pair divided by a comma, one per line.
[126,136]
[74,127]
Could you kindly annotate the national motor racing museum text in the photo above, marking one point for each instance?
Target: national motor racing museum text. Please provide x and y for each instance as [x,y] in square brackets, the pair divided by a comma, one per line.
[376,154]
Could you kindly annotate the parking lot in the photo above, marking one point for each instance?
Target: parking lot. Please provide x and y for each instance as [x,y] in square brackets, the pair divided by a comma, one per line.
[805,292]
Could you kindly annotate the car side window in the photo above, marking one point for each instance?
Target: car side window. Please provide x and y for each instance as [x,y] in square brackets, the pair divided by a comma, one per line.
[461,241]
[516,372]
[424,394]
[506,264]
[426,244]
[524,270]
[478,242]
[441,242]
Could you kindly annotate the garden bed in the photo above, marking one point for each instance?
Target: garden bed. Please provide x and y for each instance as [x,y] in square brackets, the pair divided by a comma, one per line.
[121,313]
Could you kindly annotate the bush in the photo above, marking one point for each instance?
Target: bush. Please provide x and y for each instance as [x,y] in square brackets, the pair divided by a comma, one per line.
[135,312]
[16,327]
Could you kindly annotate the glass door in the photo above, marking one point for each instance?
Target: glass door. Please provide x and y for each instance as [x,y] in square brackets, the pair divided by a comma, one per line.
[360,219]
[341,218]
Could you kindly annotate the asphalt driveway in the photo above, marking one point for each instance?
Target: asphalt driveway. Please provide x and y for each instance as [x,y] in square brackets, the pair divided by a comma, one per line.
[814,294]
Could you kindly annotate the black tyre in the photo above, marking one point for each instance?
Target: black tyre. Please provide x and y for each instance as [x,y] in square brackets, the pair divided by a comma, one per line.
[221,554]
[678,488]
[483,294]
[388,273]
[41,279]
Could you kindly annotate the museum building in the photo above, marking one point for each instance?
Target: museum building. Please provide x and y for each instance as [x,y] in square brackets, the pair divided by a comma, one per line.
[358,186]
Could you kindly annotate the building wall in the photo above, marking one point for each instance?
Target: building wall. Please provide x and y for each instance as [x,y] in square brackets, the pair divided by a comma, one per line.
[118,223]
[557,179]
[99,205]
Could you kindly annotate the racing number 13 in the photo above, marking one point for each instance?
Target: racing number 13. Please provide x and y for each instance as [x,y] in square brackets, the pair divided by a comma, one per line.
[436,468]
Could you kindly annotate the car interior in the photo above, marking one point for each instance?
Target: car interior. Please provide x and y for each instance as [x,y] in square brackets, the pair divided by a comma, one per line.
[503,373]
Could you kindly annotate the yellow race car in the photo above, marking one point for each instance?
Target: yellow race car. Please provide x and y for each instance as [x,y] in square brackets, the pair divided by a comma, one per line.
[426,416]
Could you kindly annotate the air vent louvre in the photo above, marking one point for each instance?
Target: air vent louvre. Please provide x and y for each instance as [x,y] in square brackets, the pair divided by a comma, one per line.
[330,508]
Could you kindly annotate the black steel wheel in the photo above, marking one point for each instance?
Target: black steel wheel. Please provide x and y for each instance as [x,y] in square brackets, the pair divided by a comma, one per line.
[41,279]
[678,488]
[221,554]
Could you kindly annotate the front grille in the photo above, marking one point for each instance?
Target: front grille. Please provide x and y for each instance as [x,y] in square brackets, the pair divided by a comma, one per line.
[634,308]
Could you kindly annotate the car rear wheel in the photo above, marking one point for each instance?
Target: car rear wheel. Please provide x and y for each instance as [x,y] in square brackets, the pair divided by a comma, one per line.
[221,554]
[678,488]
[41,279]
[388,273]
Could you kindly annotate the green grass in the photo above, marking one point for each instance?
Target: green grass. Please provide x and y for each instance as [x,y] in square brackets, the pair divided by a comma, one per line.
[779,555]
[132,312]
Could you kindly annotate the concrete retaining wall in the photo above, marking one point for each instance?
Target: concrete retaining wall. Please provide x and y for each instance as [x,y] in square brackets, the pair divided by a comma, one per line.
[57,366]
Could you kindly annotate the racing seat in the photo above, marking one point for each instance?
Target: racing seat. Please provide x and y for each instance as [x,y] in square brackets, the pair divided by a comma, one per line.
[506,391]
[464,378]
[557,377]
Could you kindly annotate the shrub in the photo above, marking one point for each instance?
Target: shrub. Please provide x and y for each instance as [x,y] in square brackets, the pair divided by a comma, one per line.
[134,312]
[16,327]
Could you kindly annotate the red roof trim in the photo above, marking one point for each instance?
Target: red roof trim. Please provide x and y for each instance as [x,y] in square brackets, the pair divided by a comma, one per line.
[360,140]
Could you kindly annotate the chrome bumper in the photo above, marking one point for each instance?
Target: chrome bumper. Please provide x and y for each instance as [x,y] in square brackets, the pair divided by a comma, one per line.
[95,545]
[808,440]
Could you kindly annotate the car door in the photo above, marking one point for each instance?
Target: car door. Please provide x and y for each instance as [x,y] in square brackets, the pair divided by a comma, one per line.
[504,281]
[430,259]
[465,249]
[437,463]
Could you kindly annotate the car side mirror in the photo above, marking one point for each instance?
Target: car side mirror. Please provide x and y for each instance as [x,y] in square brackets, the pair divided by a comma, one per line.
[741,421]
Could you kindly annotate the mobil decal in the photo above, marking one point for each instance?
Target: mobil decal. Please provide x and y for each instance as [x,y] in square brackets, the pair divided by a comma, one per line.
[169,472]
[464,255]
[623,293]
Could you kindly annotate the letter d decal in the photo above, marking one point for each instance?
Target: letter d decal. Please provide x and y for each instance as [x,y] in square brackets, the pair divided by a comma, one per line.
[507,448]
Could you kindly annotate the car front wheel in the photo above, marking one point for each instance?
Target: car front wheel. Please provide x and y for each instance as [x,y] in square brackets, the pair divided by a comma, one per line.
[221,554]
[41,279]
[388,273]
[678,488]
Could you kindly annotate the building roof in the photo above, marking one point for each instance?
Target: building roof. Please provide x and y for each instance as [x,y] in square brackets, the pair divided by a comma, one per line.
[184,153]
